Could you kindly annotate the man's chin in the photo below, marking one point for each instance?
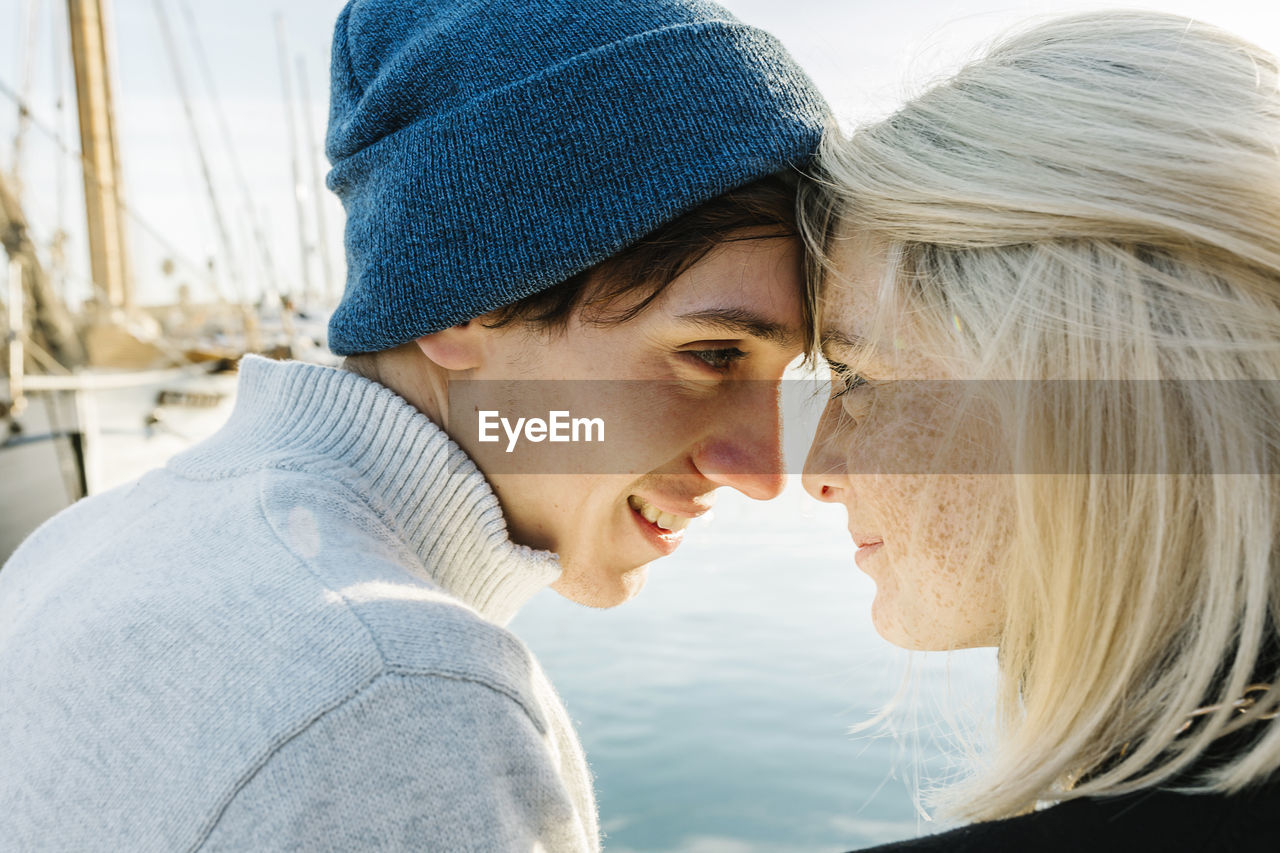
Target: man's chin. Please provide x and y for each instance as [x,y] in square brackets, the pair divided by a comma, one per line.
[599,589]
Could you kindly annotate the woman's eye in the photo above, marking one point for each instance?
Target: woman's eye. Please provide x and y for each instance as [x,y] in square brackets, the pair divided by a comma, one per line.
[718,359]
[846,380]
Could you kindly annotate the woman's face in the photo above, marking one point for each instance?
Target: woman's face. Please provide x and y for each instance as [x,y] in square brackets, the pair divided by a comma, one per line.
[909,470]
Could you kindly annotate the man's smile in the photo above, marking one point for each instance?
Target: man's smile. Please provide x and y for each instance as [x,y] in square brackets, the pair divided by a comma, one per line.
[666,521]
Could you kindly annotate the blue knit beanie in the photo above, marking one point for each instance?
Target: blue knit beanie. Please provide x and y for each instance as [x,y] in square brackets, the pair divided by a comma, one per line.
[486,150]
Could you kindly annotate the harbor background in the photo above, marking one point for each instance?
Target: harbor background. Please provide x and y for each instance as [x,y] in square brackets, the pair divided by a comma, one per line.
[716,708]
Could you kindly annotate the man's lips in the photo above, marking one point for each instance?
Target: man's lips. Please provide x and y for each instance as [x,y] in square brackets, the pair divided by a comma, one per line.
[665,516]
[662,540]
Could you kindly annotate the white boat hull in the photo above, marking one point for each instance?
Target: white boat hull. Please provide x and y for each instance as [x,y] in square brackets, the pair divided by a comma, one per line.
[91,432]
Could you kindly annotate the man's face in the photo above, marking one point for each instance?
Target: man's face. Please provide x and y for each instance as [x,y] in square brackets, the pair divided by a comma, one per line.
[674,400]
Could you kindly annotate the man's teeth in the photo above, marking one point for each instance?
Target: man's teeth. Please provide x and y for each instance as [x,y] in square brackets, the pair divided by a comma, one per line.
[665,520]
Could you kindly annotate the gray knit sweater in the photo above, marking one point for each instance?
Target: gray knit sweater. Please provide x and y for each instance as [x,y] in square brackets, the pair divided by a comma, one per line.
[288,638]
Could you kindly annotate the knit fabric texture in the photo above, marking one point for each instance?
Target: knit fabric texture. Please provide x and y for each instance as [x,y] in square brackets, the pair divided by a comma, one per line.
[289,638]
[485,151]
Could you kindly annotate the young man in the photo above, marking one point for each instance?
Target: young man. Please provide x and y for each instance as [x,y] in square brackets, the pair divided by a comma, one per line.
[292,635]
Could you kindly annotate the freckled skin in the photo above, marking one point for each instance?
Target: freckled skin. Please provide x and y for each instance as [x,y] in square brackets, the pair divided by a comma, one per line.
[906,459]
[932,592]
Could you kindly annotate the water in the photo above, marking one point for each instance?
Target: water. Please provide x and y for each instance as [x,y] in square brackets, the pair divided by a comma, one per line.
[715,708]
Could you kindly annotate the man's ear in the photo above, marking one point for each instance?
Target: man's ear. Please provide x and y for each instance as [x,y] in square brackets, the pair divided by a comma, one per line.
[460,347]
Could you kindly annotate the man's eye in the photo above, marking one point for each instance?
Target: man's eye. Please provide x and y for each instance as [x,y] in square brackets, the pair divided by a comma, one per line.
[846,380]
[718,359]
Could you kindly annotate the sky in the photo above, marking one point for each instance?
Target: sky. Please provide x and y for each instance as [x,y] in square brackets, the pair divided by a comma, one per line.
[865,56]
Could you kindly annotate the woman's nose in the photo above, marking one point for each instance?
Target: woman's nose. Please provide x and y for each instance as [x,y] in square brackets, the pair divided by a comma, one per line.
[826,472]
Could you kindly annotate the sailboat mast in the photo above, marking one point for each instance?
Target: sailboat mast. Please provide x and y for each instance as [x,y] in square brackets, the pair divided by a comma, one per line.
[108,258]
[317,187]
[298,188]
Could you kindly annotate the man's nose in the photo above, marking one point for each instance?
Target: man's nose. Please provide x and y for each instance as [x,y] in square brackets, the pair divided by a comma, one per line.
[744,450]
[826,467]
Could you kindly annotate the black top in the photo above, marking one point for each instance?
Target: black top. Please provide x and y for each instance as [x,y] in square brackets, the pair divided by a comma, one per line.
[1148,822]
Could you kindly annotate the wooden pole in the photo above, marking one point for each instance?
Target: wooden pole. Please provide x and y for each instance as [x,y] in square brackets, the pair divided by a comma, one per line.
[16,327]
[108,258]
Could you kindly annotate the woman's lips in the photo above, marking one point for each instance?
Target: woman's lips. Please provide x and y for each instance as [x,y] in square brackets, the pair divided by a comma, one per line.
[867,545]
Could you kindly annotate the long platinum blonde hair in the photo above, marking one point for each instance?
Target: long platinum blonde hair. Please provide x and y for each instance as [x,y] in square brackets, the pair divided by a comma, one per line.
[1098,198]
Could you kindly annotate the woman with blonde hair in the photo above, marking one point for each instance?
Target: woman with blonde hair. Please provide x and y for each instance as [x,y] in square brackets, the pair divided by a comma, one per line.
[1051,304]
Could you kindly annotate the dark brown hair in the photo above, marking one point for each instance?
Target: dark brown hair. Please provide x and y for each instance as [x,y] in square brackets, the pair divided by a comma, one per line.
[621,287]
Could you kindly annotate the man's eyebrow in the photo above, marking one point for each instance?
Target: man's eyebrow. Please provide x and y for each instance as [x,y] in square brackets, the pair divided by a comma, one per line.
[744,322]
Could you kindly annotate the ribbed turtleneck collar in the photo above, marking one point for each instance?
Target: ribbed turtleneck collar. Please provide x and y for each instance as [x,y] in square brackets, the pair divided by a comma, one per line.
[305,417]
